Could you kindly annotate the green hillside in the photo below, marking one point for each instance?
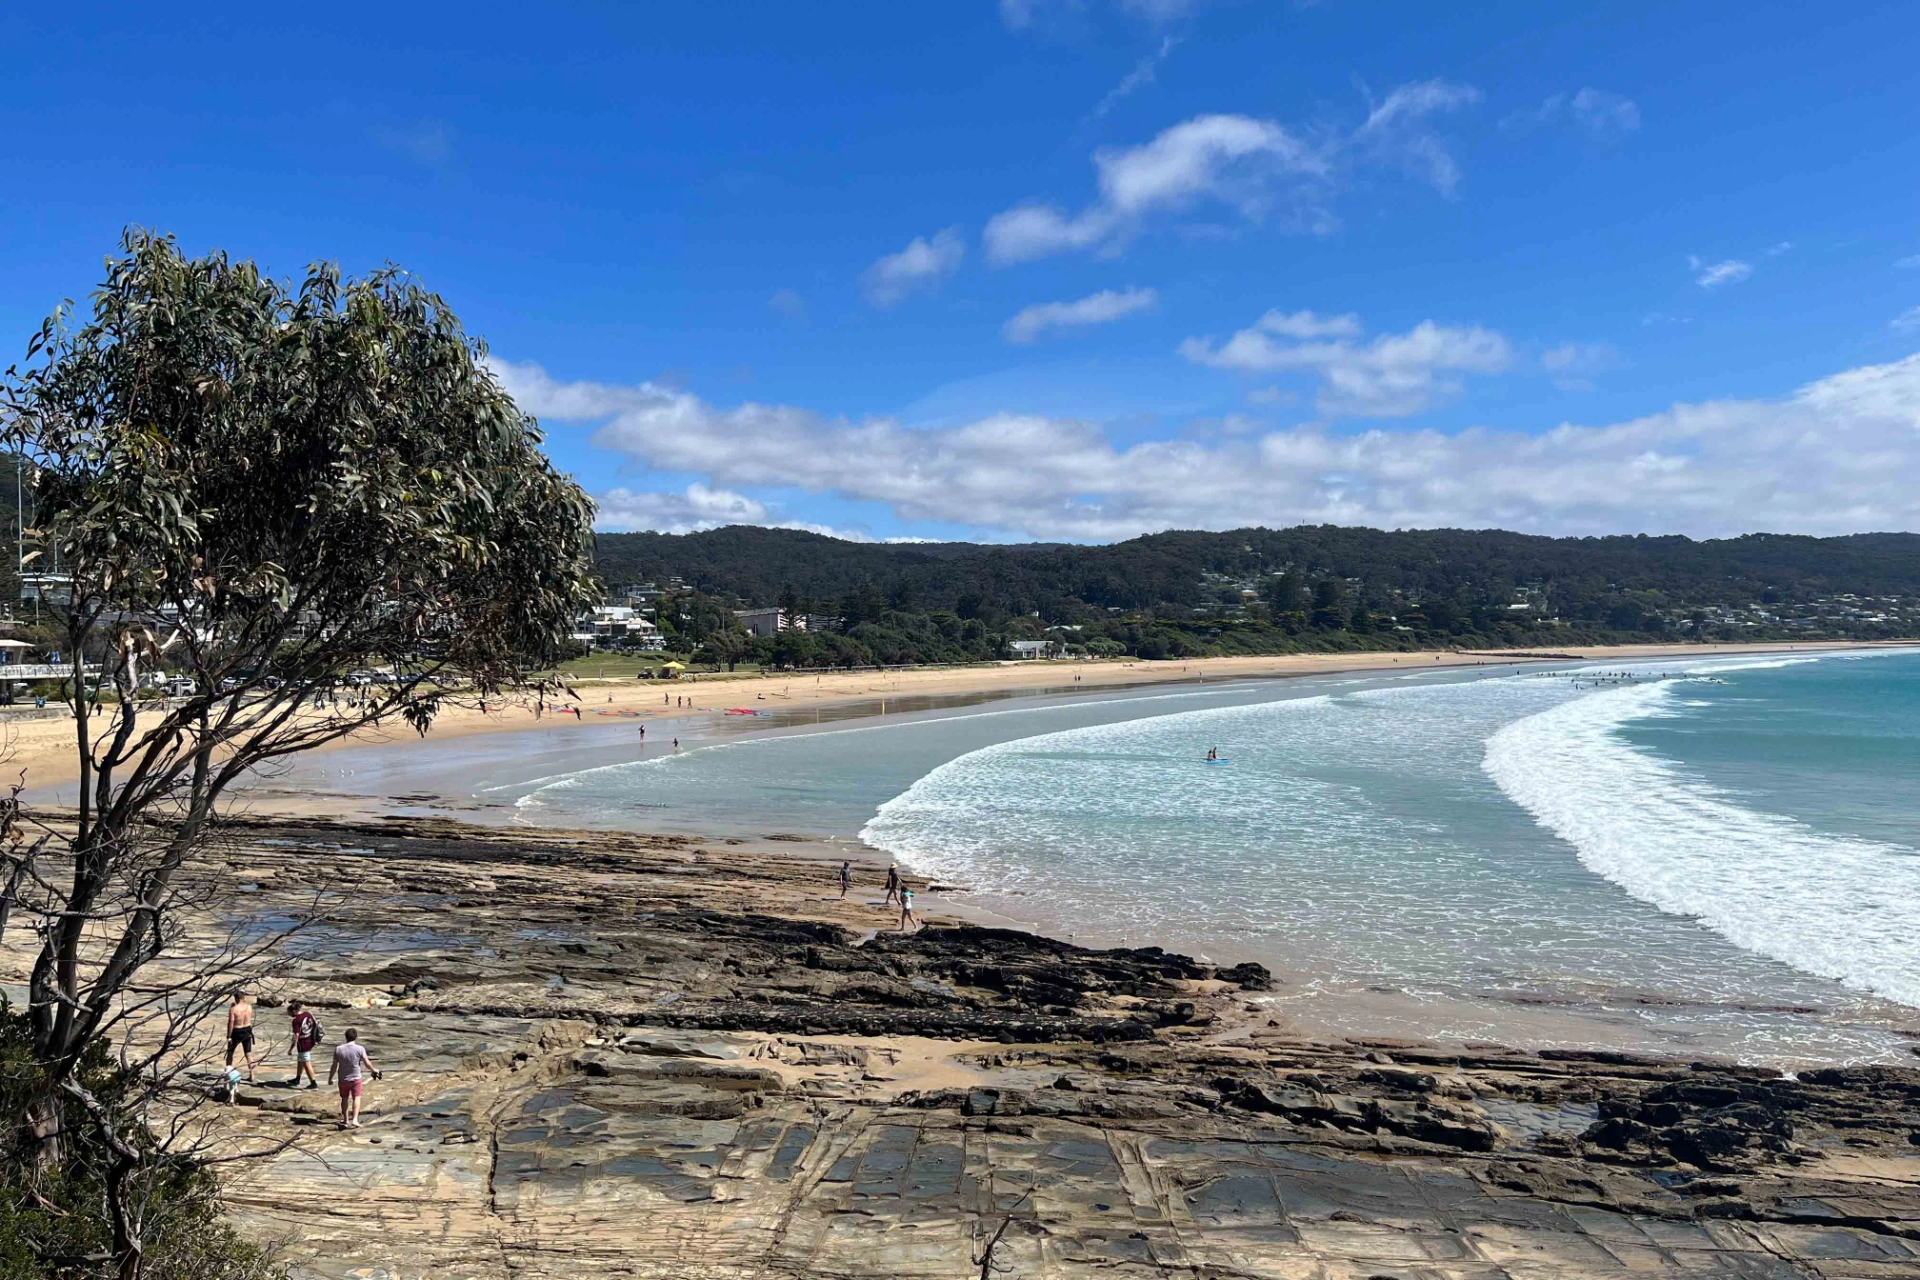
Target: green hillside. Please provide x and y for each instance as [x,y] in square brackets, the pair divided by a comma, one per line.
[1275,590]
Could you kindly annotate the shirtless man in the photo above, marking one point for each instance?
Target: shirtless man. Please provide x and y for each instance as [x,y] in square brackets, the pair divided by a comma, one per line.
[240,1030]
[846,877]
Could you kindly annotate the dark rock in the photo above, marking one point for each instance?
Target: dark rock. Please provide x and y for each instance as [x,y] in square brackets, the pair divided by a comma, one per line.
[1248,976]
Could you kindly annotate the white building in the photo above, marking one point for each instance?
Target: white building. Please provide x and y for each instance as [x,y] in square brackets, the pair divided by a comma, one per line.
[767,622]
[1033,648]
[610,625]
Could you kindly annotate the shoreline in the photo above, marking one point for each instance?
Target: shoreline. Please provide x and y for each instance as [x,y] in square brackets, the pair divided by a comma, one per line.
[1544,1009]
[42,747]
[1338,1001]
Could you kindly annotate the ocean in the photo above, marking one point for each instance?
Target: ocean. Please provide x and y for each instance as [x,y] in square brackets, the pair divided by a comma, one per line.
[1717,856]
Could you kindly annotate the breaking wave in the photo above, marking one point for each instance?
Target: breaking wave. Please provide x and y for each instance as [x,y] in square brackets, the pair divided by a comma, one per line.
[1839,907]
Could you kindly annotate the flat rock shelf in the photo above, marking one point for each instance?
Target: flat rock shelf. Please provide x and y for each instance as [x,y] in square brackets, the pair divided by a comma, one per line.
[642,1056]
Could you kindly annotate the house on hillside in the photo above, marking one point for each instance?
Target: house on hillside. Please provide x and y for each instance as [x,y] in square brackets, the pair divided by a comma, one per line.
[1033,648]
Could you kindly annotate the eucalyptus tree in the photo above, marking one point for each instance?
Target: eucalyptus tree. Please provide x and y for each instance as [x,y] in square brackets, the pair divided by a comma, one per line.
[273,495]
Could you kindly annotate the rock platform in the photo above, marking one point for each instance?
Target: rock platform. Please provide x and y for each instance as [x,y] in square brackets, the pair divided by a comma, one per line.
[659,1057]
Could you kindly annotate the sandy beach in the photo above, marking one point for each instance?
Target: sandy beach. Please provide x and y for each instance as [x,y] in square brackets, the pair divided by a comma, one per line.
[42,747]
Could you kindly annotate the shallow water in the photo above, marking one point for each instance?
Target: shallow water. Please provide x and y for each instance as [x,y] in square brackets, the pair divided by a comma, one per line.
[1715,856]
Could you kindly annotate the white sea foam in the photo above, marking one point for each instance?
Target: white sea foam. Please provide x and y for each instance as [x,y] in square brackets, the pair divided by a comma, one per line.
[957,821]
[1837,907]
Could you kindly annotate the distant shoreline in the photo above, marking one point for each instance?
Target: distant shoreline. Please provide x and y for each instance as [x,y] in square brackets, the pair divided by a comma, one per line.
[44,747]
[773,692]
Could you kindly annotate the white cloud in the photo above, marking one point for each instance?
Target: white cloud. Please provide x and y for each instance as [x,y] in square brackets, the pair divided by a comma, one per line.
[1711,275]
[426,142]
[1907,264]
[699,507]
[1161,10]
[1841,455]
[1907,321]
[1602,116]
[920,265]
[1228,158]
[1305,324]
[1103,307]
[1250,165]
[1396,129]
[1572,364]
[1022,14]
[1142,75]
[788,303]
[1390,377]
[541,394]
[1018,14]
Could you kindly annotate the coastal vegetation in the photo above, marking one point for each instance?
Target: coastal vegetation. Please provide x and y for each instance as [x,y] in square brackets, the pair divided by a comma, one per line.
[258,490]
[1258,591]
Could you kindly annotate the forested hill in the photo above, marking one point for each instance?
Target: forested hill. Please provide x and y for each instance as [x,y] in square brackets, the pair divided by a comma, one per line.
[1614,579]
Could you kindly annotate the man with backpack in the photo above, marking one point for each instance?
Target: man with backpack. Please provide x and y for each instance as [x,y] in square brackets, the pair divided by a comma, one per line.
[307,1034]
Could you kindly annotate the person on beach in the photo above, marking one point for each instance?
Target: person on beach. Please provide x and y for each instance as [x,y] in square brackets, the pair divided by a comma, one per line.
[846,877]
[352,1066]
[893,885]
[643,734]
[306,1035]
[906,911]
[240,1030]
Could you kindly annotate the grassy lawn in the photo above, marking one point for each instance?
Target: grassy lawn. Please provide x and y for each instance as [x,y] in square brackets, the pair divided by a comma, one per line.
[631,666]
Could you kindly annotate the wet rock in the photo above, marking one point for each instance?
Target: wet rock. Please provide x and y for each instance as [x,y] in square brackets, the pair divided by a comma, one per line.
[1248,976]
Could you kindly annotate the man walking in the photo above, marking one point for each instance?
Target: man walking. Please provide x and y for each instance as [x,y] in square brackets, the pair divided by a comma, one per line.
[893,886]
[352,1066]
[240,1030]
[846,877]
[306,1035]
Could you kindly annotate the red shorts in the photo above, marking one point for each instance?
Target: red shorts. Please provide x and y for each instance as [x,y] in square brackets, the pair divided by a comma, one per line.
[351,1088]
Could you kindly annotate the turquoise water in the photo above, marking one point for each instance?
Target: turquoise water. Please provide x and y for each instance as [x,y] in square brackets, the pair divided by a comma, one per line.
[1708,856]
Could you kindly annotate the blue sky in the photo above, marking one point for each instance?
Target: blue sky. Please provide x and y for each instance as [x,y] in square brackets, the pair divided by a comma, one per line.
[1077,270]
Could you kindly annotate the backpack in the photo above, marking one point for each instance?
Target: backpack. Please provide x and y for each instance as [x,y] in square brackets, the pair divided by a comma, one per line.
[319,1032]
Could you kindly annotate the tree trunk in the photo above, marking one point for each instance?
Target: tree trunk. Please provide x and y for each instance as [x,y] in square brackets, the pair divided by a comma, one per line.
[127,1245]
[46,1121]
